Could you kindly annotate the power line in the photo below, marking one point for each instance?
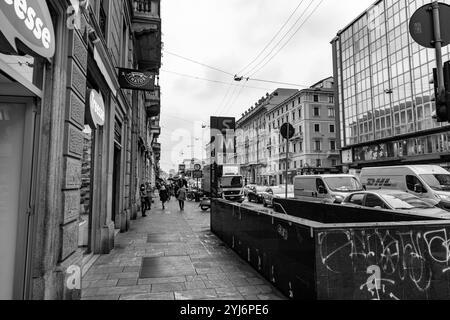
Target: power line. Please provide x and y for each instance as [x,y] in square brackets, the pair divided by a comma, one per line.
[196,62]
[281,40]
[234,101]
[283,83]
[219,107]
[286,43]
[208,80]
[272,40]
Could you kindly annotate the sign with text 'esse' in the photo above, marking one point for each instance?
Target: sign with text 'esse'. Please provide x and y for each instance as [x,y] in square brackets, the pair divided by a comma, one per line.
[28,23]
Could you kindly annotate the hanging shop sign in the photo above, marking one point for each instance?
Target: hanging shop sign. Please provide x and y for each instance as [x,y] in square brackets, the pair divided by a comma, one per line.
[96,112]
[26,23]
[136,80]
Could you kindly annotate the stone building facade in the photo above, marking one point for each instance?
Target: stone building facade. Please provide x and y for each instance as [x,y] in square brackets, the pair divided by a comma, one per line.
[67,183]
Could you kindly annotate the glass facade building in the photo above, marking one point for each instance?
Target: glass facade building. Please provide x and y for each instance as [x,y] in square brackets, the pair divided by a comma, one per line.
[383,90]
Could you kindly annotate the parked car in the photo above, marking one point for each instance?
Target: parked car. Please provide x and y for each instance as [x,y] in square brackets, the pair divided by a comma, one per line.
[424,181]
[397,201]
[277,193]
[325,188]
[256,194]
[248,188]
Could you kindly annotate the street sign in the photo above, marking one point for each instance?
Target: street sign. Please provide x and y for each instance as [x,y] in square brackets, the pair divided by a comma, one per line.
[198,174]
[287,131]
[421,25]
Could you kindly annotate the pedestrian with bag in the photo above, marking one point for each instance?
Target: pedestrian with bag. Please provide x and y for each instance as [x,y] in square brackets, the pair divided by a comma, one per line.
[181,196]
[143,195]
[163,196]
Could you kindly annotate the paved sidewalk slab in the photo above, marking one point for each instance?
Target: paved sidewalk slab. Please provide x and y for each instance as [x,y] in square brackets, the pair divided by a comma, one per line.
[172,255]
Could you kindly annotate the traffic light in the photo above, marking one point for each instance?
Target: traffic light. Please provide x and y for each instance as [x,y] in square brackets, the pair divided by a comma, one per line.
[442,101]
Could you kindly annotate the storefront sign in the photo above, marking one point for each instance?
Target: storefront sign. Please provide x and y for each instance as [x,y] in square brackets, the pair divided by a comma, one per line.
[96,112]
[136,80]
[30,23]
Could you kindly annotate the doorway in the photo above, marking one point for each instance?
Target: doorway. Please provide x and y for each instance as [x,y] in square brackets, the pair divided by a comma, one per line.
[16,167]
[116,183]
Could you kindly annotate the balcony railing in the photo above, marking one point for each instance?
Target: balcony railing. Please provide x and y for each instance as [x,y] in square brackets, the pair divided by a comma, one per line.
[146,8]
[298,136]
[153,102]
[147,31]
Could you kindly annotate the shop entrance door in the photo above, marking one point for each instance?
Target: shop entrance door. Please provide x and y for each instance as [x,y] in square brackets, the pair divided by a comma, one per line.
[116,183]
[16,160]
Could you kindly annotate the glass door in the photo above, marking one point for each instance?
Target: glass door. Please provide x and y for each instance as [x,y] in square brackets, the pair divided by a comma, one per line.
[16,143]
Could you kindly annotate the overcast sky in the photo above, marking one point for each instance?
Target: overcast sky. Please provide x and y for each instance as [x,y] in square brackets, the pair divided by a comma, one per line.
[228,35]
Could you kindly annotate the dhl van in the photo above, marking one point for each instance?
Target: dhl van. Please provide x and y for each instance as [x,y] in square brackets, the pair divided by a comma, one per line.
[425,181]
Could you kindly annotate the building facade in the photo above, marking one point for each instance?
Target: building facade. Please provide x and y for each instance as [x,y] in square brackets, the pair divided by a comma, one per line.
[262,151]
[252,136]
[313,149]
[383,91]
[66,140]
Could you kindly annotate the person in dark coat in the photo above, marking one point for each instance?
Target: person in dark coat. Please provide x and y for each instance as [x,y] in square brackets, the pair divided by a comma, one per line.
[143,195]
[163,196]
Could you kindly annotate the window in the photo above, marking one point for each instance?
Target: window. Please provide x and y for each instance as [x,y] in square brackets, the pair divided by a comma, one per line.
[357,199]
[300,129]
[318,146]
[333,145]
[300,113]
[412,181]
[332,128]
[331,113]
[331,99]
[334,163]
[316,98]
[301,163]
[316,112]
[373,201]
[300,146]
[293,116]
[318,163]
[317,128]
[103,17]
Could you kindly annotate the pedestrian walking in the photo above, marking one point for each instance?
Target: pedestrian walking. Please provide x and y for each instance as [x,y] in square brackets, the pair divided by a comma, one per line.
[149,197]
[181,196]
[143,195]
[163,196]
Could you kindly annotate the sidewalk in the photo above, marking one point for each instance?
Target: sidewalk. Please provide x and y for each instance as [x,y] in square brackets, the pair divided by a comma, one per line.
[174,256]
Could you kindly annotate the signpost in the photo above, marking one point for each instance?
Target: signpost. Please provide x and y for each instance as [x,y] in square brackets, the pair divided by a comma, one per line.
[430,27]
[287,132]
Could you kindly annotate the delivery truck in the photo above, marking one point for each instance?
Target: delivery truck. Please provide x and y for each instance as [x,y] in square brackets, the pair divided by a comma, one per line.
[230,183]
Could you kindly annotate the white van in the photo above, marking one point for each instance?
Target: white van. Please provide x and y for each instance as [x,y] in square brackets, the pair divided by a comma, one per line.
[425,181]
[325,188]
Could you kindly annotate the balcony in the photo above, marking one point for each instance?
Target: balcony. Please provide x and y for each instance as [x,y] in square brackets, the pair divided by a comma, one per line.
[153,102]
[156,146]
[333,154]
[147,31]
[155,127]
[298,136]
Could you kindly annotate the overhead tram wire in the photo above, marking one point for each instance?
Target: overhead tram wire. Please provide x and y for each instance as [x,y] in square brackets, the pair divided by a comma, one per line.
[296,31]
[219,107]
[272,40]
[199,63]
[208,80]
[236,99]
[281,40]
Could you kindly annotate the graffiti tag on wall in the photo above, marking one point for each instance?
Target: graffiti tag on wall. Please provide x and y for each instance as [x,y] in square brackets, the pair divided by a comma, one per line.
[387,262]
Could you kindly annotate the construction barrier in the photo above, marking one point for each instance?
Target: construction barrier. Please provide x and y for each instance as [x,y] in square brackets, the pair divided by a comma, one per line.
[396,258]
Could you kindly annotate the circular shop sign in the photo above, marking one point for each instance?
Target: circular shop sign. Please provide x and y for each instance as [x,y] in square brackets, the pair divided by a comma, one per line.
[96,108]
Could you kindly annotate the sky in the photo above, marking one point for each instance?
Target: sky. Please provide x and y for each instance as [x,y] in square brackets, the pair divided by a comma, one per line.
[228,35]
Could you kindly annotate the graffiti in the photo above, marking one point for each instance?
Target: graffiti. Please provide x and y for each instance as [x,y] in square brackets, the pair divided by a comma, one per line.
[283,232]
[410,257]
